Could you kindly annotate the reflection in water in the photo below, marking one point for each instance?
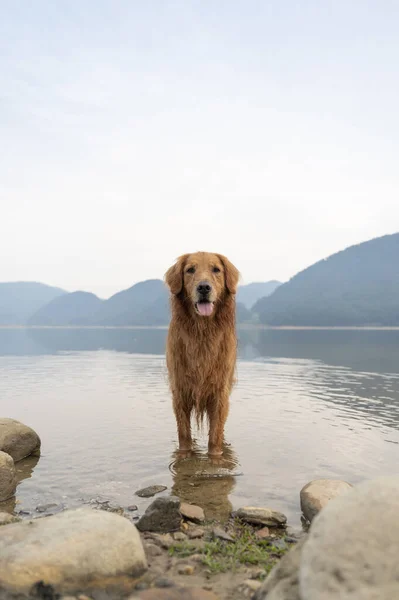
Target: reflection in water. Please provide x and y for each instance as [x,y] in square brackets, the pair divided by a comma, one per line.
[364,350]
[24,470]
[307,404]
[25,467]
[375,351]
[205,481]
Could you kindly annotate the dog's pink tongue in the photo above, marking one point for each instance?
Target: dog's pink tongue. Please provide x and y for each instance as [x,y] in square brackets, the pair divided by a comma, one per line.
[205,308]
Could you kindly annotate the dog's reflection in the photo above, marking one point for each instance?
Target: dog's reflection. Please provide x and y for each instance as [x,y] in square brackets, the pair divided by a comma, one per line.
[205,481]
[23,470]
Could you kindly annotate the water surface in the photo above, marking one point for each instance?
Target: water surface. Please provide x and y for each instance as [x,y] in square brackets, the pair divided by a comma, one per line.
[308,404]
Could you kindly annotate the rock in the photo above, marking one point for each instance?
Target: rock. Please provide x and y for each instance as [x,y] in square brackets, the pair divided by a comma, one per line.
[175,593]
[164,582]
[132,508]
[44,591]
[316,494]
[163,515]
[70,549]
[165,541]
[195,533]
[152,551]
[219,533]
[17,439]
[45,507]
[198,545]
[261,516]
[262,534]
[185,569]
[151,491]
[8,479]
[282,582]
[191,512]
[112,507]
[280,544]
[257,573]
[142,585]
[252,584]
[353,544]
[179,536]
[197,558]
[6,518]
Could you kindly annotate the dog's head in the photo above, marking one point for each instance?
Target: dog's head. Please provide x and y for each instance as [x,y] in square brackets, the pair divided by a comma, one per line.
[205,279]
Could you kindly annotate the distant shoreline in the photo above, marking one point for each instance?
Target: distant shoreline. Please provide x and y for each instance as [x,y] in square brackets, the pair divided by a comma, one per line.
[239,326]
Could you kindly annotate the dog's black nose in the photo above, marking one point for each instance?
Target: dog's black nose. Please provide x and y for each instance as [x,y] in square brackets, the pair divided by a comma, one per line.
[204,288]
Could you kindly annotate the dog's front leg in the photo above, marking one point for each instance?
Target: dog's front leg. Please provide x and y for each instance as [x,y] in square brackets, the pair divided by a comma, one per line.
[182,407]
[218,410]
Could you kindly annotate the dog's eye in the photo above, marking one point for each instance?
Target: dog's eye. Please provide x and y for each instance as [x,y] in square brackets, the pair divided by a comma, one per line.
[216,270]
[191,270]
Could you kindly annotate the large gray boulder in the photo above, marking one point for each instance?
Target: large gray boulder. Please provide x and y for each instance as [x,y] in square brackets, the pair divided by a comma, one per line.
[352,549]
[318,493]
[76,549]
[18,440]
[8,480]
[283,581]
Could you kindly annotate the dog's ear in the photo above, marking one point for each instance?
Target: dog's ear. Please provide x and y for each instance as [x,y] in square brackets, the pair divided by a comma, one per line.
[231,274]
[174,275]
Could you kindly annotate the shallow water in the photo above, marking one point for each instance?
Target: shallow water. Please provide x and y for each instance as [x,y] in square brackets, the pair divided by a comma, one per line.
[307,404]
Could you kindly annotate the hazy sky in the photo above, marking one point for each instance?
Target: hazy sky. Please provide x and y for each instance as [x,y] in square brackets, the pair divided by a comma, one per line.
[132,132]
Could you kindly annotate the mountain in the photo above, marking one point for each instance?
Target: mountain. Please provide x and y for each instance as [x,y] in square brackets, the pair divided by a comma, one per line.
[243,314]
[355,287]
[252,292]
[142,304]
[19,300]
[76,308]
[145,303]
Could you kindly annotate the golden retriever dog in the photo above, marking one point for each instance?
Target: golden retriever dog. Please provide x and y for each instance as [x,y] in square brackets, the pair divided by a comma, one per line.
[201,344]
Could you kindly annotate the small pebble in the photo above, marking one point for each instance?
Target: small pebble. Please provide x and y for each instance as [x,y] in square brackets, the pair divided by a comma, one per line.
[262,534]
[257,573]
[141,586]
[196,557]
[163,582]
[191,512]
[195,533]
[163,540]
[152,550]
[132,507]
[280,544]
[252,584]
[185,569]
[150,491]
[43,507]
[179,536]
[219,533]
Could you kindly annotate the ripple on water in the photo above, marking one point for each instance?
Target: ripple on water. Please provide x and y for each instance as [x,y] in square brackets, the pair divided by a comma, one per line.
[107,429]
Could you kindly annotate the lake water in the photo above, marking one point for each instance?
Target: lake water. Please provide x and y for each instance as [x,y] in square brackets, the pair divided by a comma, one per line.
[308,404]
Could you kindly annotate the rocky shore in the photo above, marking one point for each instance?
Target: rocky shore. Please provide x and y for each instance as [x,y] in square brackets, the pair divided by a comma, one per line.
[347,549]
